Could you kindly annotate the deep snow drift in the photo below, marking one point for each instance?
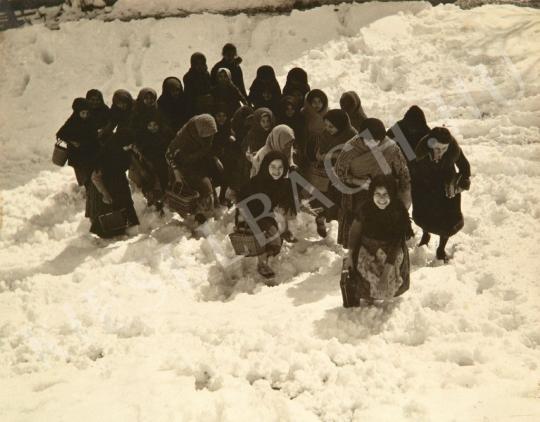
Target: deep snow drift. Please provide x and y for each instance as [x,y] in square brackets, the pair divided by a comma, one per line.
[157,327]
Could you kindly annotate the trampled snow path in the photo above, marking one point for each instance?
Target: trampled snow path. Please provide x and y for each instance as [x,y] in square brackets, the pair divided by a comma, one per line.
[151,327]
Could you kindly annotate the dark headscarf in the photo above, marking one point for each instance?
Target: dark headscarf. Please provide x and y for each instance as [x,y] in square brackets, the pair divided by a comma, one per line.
[241,122]
[173,109]
[345,132]
[256,137]
[413,126]
[391,224]
[297,80]
[265,81]
[95,93]
[350,103]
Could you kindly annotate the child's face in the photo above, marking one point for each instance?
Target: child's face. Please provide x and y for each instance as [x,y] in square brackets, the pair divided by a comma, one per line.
[221,118]
[298,96]
[330,128]
[153,127]
[122,105]
[438,150]
[83,114]
[317,104]
[276,169]
[222,78]
[381,198]
[266,122]
[174,92]
[149,100]
[289,110]
[94,101]
[267,95]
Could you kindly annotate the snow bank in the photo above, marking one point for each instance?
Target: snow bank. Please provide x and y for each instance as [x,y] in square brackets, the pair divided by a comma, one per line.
[166,325]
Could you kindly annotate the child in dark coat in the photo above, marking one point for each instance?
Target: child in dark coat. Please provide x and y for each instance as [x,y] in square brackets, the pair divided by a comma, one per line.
[297,85]
[378,255]
[436,187]
[80,133]
[172,104]
[232,62]
[271,182]
[265,90]
[100,113]
[197,86]
[109,189]
[226,92]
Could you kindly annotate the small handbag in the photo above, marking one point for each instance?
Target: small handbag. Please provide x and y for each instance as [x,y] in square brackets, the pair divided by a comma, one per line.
[60,155]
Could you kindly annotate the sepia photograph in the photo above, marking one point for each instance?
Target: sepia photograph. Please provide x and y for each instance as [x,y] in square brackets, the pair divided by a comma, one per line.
[269,210]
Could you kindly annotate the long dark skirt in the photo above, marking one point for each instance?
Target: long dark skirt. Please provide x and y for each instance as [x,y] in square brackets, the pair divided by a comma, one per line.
[369,265]
[437,214]
[118,187]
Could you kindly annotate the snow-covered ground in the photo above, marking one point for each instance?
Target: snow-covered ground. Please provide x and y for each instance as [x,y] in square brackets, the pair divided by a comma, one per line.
[158,327]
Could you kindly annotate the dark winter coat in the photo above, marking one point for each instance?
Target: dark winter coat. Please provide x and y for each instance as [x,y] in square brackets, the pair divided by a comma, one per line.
[101,115]
[265,81]
[174,110]
[228,95]
[197,86]
[237,75]
[83,132]
[121,119]
[112,161]
[297,80]
[433,211]
[190,150]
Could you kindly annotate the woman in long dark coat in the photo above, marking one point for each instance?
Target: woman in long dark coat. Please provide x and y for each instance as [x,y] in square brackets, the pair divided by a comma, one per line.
[297,85]
[436,187]
[190,158]
[197,86]
[109,189]
[408,131]
[265,90]
[151,143]
[100,113]
[172,104]
[80,133]
[121,110]
[272,182]
[378,254]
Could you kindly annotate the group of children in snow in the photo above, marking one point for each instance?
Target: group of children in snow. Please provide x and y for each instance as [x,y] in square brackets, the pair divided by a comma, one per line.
[267,152]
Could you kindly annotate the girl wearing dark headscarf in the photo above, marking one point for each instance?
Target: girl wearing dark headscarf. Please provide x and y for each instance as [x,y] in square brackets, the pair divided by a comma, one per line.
[262,124]
[189,156]
[265,90]
[314,110]
[289,114]
[109,189]
[408,131]
[271,181]
[171,103]
[226,92]
[99,113]
[436,187]
[378,254]
[80,133]
[151,143]
[197,86]
[145,105]
[365,156]
[121,109]
[351,104]
[297,85]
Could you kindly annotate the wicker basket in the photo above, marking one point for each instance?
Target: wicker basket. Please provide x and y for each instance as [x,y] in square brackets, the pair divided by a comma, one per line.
[114,221]
[245,243]
[317,176]
[178,200]
[60,154]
